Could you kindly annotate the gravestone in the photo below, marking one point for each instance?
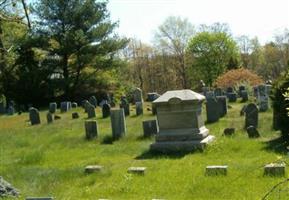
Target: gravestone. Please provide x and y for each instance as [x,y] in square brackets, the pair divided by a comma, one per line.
[274,169]
[216,170]
[86,105]
[74,105]
[75,115]
[91,130]
[104,101]
[150,127]
[154,109]
[229,90]
[34,116]
[244,95]
[218,92]
[39,198]
[93,168]
[252,132]
[268,89]
[151,96]
[64,106]
[105,110]
[241,88]
[222,101]
[83,103]
[263,98]
[52,107]
[210,95]
[255,91]
[49,117]
[139,108]
[181,127]
[232,96]
[10,110]
[137,95]
[251,115]
[93,101]
[125,105]
[90,111]
[118,125]
[137,170]
[213,109]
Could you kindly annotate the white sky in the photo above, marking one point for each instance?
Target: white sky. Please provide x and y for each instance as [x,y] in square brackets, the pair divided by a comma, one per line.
[261,18]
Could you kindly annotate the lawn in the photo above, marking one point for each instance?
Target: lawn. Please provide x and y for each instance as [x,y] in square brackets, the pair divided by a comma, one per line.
[49,160]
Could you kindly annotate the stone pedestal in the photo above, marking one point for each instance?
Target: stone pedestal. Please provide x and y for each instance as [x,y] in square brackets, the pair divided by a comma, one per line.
[181,127]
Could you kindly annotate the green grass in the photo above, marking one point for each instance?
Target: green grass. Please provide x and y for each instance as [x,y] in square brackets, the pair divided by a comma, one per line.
[49,160]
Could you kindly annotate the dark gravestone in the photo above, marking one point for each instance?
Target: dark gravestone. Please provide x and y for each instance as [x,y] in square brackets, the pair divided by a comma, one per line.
[93,101]
[229,131]
[90,111]
[34,116]
[137,95]
[252,132]
[86,105]
[49,117]
[251,115]
[152,96]
[244,95]
[222,101]
[117,123]
[52,107]
[75,115]
[91,129]
[105,110]
[64,106]
[218,92]
[255,91]
[139,108]
[263,98]
[56,117]
[213,110]
[232,97]
[125,105]
[241,88]
[74,105]
[10,110]
[150,128]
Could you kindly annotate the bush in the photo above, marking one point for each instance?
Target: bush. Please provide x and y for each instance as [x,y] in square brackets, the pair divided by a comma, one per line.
[235,77]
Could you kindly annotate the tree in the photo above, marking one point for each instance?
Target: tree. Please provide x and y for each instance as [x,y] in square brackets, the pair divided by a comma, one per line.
[245,49]
[80,35]
[172,38]
[212,52]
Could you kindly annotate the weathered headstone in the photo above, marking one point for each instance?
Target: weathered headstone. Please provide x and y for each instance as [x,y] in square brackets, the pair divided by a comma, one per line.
[137,170]
[34,116]
[222,101]
[150,127]
[125,105]
[154,109]
[252,132]
[91,130]
[274,169]
[232,97]
[64,106]
[213,109]
[181,127]
[93,101]
[241,88]
[90,111]
[251,115]
[93,168]
[118,125]
[263,98]
[75,115]
[137,95]
[105,110]
[86,105]
[49,117]
[139,108]
[216,170]
[74,105]
[244,95]
[52,107]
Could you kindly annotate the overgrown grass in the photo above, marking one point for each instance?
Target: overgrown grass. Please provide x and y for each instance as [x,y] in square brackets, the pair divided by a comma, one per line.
[49,160]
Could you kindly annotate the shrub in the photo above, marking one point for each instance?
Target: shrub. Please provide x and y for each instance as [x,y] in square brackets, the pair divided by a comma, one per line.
[235,77]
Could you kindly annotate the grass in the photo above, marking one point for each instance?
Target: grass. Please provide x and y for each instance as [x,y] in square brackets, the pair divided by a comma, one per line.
[49,160]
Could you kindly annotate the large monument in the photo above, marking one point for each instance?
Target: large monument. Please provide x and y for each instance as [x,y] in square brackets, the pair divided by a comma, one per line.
[181,127]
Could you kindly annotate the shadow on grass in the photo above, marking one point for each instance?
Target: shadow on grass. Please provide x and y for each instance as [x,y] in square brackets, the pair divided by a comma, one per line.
[278,145]
[159,155]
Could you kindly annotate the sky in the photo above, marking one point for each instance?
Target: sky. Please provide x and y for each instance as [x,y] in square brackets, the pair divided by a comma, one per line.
[141,18]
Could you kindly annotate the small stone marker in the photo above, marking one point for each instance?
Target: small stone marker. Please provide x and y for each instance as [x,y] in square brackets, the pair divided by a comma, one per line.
[93,168]
[216,170]
[75,115]
[49,117]
[251,115]
[229,131]
[252,132]
[150,127]
[137,170]
[118,125]
[52,107]
[39,198]
[90,129]
[105,110]
[139,108]
[74,105]
[34,116]
[274,169]
[90,111]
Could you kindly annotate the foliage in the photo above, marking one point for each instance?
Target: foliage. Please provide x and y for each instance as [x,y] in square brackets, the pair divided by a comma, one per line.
[238,76]
[286,95]
[212,53]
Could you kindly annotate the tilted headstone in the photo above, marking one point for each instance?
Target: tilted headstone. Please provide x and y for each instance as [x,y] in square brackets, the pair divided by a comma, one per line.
[91,130]
[222,101]
[34,116]
[125,105]
[10,110]
[64,106]
[251,115]
[118,125]
[150,127]
[90,111]
[139,108]
[52,107]
[137,95]
[218,92]
[263,98]
[49,117]
[75,115]
[74,105]
[105,110]
[213,110]
[244,95]
[93,101]
[232,97]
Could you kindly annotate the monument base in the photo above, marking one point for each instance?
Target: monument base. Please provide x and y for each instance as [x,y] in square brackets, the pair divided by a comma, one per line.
[181,146]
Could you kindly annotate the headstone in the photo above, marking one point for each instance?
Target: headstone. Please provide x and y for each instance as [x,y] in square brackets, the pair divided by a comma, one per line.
[118,125]
[218,92]
[93,168]
[105,110]
[69,105]
[83,103]
[230,90]
[222,101]
[74,105]
[91,130]
[137,95]
[64,106]
[34,116]
[181,127]
[139,108]
[252,132]
[241,88]
[251,115]
[150,127]
[104,101]
[125,105]
[39,198]
[216,170]
[52,107]
[93,101]
[49,117]
[274,169]
[229,131]
[137,170]
[10,110]
[268,89]
[244,95]
[86,105]
[263,98]
[152,96]
[90,111]
[232,97]
[213,109]
[75,115]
